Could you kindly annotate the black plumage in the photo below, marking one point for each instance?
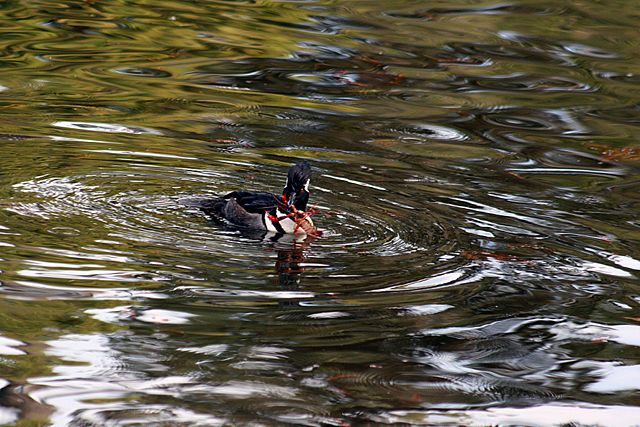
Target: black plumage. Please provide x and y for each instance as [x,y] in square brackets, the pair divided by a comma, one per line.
[255,202]
[258,209]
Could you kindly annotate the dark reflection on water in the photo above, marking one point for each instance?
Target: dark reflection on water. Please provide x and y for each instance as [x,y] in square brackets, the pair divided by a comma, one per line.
[476,173]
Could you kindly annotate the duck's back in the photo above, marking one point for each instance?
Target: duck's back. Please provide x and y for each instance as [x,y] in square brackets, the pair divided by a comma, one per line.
[254,201]
[244,208]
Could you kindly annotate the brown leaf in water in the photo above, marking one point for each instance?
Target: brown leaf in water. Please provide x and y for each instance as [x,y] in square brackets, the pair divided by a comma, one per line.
[608,153]
[481,255]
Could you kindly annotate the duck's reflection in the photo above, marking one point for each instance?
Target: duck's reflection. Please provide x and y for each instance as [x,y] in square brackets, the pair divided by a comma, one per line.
[291,252]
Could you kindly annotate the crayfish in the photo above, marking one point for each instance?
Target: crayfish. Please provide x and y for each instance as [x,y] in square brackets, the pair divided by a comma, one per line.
[302,220]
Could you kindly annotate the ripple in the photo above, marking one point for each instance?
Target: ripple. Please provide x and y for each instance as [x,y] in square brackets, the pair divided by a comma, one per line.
[107,127]
[25,290]
[521,82]
[590,51]
[520,122]
[543,414]
[429,131]
[377,235]
[558,121]
[350,230]
[623,334]
[150,414]
[612,377]
[209,350]
[143,154]
[502,51]
[353,181]
[8,347]
[501,8]
[374,377]
[454,278]
[632,78]
[143,72]
[427,309]
[475,188]
[140,314]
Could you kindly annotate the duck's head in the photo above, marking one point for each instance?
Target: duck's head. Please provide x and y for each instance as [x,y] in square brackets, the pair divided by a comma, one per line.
[296,190]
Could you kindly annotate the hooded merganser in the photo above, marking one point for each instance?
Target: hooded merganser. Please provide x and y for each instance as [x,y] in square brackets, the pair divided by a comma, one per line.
[266,211]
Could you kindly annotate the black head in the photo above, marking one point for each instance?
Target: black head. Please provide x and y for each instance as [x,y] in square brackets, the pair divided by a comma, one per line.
[296,190]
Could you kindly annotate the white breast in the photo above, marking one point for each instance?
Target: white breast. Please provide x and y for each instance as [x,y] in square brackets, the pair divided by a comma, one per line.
[287,224]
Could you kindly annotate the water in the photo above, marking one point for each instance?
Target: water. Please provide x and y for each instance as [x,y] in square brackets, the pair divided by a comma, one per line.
[476,168]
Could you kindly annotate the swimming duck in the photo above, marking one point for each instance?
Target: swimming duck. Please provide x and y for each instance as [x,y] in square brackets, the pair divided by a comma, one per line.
[267,211]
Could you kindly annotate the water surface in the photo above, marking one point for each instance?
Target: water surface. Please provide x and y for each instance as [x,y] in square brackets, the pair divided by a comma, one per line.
[476,168]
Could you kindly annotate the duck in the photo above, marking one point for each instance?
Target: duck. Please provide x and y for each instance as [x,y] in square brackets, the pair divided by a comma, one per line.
[284,214]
